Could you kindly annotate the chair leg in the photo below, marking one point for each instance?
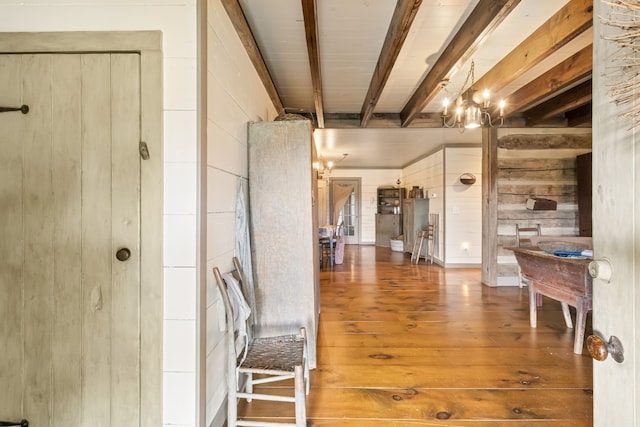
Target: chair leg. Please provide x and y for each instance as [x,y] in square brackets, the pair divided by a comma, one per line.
[419,254]
[520,284]
[413,252]
[249,385]
[232,401]
[300,399]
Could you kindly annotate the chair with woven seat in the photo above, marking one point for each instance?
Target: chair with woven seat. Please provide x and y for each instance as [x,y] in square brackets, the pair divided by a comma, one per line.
[261,360]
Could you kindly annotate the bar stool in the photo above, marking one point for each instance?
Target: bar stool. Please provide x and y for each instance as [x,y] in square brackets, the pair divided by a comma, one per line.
[423,235]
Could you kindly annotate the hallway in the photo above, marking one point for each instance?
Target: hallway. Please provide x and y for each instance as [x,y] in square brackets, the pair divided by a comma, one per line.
[407,345]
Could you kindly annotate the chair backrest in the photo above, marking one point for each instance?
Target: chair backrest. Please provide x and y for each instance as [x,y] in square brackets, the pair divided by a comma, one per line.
[239,315]
[524,234]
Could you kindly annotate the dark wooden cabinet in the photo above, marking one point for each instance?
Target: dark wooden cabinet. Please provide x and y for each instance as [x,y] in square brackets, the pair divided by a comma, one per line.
[583,194]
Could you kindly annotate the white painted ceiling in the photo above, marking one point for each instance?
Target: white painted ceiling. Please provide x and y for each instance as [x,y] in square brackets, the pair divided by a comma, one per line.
[350,37]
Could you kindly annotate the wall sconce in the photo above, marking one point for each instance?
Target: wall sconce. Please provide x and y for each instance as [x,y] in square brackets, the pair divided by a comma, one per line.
[468,179]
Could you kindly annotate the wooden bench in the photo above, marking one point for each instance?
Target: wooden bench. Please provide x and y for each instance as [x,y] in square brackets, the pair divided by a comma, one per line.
[563,279]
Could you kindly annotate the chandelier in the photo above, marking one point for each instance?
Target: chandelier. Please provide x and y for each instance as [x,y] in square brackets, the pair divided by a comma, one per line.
[471,111]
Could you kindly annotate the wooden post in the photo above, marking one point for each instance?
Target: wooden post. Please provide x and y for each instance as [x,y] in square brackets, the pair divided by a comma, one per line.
[489,206]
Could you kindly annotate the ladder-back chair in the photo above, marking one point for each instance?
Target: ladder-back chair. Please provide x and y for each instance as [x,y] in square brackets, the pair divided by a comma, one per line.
[422,236]
[261,360]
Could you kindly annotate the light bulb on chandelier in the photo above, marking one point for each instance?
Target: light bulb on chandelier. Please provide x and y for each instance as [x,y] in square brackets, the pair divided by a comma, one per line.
[472,112]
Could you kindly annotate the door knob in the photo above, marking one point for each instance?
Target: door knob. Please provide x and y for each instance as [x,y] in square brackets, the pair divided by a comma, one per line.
[601,269]
[123,254]
[599,350]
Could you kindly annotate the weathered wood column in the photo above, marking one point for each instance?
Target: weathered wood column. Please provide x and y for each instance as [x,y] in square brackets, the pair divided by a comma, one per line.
[489,206]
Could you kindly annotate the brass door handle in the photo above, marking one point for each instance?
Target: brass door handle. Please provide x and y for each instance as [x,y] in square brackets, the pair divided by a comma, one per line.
[599,349]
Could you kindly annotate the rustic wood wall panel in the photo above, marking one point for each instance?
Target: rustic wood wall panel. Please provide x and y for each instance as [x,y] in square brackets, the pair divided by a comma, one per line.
[537,165]
[11,272]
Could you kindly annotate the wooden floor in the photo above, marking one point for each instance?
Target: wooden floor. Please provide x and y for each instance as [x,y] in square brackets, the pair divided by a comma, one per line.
[407,345]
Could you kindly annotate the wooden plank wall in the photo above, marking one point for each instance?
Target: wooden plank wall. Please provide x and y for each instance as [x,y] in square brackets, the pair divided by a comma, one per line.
[541,165]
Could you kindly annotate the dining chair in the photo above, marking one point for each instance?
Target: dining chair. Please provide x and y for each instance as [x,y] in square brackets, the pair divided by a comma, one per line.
[260,360]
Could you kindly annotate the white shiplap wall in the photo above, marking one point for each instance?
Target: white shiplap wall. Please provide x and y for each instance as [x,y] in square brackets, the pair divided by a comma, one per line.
[459,206]
[371,180]
[463,212]
[235,96]
[428,173]
[177,21]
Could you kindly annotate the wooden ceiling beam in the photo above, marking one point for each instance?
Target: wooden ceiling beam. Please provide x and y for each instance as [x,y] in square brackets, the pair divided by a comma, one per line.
[482,21]
[403,17]
[579,116]
[566,101]
[309,12]
[241,26]
[567,73]
[570,21]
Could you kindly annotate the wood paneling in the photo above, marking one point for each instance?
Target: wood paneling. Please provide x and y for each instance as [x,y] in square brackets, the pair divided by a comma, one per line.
[11,256]
[541,165]
[401,344]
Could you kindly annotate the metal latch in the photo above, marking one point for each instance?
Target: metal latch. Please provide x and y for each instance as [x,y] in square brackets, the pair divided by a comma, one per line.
[144,150]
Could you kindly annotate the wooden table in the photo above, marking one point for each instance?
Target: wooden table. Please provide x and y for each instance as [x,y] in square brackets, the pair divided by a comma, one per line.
[563,279]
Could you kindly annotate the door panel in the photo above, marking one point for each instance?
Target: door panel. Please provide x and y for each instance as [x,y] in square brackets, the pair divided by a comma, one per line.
[616,228]
[11,254]
[73,198]
[66,179]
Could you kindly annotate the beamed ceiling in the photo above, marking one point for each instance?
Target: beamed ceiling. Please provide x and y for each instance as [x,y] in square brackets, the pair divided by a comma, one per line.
[370,73]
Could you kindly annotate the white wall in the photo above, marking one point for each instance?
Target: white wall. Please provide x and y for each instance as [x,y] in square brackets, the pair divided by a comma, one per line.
[371,180]
[177,21]
[463,207]
[428,173]
[235,96]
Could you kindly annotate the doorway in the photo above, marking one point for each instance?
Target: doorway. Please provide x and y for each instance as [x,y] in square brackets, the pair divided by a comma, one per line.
[349,215]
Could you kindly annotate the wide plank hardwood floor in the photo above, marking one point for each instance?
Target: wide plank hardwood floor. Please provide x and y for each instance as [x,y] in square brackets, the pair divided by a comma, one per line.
[419,345]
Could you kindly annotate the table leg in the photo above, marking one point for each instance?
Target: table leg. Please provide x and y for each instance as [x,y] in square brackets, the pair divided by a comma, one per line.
[567,315]
[582,308]
[533,305]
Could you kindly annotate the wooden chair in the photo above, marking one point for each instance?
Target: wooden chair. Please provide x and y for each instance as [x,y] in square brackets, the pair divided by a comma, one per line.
[523,239]
[421,236]
[328,246]
[272,359]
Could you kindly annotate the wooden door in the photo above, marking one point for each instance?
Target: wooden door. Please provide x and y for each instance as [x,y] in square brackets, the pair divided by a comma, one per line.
[616,236]
[70,199]
[350,213]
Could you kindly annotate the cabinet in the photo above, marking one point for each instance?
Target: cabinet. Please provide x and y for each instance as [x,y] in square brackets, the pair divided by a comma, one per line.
[387,227]
[415,216]
[389,216]
[390,200]
[284,228]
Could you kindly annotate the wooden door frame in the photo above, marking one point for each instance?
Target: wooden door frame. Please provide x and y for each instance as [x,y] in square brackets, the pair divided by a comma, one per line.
[148,44]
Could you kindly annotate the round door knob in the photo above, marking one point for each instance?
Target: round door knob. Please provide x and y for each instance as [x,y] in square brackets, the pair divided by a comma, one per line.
[599,349]
[123,254]
[601,269]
